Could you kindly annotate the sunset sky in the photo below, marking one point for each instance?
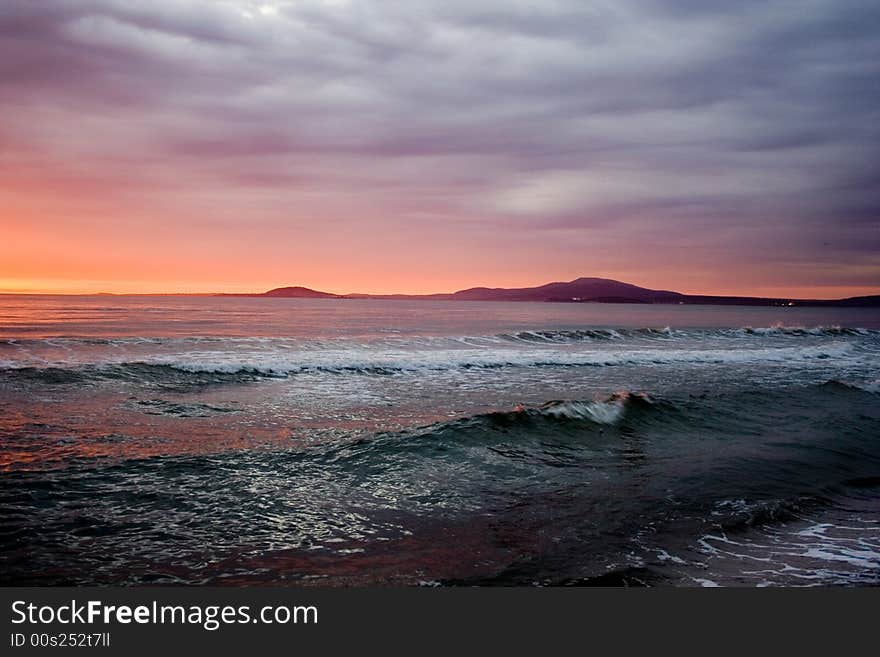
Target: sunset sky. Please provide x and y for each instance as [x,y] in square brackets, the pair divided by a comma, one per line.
[183,146]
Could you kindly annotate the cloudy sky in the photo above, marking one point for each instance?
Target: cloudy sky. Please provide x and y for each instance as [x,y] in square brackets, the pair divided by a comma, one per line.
[349,145]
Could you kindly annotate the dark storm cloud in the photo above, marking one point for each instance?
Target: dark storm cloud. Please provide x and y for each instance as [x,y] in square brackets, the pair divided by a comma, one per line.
[757,120]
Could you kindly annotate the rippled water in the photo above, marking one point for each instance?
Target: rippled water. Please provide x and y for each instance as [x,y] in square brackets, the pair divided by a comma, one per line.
[338,442]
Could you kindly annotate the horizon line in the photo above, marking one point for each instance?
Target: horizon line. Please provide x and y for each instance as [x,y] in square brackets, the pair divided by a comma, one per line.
[367,295]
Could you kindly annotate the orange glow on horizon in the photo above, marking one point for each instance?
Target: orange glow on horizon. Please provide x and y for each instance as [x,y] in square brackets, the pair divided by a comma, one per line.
[66,239]
[134,287]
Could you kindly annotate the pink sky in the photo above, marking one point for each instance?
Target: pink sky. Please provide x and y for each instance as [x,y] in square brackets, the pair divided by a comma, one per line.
[369,147]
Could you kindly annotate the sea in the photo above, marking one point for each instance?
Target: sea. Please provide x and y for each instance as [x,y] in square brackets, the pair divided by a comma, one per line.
[151,440]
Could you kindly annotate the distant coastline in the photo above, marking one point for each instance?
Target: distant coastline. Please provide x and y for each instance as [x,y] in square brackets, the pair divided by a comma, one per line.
[580,290]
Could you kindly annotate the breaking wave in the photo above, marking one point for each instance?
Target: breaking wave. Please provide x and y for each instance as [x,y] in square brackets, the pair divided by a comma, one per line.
[218,367]
[536,336]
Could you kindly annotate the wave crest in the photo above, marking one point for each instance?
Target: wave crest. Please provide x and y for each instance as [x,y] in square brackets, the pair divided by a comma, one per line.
[608,411]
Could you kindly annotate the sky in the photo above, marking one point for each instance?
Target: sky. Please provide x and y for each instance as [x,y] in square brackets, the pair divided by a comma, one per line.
[356,146]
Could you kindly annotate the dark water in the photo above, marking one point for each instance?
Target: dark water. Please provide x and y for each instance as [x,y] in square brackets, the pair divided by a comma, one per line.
[329,442]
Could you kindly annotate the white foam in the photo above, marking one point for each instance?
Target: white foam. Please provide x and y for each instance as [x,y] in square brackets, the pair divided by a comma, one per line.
[782,330]
[284,356]
[867,559]
[705,583]
[601,412]
[663,555]
[819,553]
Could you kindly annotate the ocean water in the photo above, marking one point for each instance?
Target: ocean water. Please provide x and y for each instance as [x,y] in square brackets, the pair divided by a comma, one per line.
[198,440]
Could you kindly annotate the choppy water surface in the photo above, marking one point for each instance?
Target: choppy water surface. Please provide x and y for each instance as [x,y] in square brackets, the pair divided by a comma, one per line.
[339,442]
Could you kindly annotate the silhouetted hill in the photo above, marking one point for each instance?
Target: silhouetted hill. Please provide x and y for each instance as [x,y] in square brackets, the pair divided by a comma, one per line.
[872,301]
[581,289]
[298,292]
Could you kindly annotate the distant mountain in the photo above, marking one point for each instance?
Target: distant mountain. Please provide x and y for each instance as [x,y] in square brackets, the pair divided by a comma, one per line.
[872,301]
[298,292]
[580,290]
